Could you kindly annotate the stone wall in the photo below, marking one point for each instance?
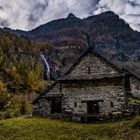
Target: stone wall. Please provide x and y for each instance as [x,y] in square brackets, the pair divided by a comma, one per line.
[135,87]
[91,67]
[42,107]
[91,80]
[107,90]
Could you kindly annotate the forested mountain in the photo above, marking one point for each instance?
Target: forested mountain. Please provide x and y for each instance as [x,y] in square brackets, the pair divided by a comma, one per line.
[21,73]
[61,42]
[110,36]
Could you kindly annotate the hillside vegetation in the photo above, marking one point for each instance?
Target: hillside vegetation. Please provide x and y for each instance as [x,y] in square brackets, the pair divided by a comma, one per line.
[21,70]
[107,33]
[21,74]
[47,129]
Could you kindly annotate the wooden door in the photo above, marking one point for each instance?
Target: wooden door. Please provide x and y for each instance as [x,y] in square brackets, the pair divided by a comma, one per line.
[92,107]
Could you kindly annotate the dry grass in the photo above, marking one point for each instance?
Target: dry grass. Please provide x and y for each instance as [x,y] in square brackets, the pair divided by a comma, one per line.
[48,129]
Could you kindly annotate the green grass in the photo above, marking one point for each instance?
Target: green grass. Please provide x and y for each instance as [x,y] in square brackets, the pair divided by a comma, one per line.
[48,129]
[134,100]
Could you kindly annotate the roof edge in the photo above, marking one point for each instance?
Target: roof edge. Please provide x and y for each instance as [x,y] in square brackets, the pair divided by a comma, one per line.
[127,72]
[46,91]
[91,50]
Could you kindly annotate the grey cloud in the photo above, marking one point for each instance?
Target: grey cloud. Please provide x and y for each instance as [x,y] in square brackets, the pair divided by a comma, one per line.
[35,14]
[1,8]
[129,10]
[134,2]
[27,14]
[4,23]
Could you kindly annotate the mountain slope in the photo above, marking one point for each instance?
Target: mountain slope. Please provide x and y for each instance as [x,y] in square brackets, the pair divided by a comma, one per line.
[21,74]
[61,42]
[110,36]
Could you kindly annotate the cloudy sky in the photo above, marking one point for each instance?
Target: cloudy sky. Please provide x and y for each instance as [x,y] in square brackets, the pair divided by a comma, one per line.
[28,14]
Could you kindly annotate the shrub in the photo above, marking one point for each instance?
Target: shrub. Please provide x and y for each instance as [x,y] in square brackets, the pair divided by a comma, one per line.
[12,106]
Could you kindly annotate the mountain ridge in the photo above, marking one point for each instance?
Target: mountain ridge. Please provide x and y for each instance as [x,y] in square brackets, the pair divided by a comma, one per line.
[110,35]
[61,42]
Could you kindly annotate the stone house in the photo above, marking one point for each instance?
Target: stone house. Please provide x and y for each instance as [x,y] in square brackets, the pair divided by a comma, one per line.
[93,88]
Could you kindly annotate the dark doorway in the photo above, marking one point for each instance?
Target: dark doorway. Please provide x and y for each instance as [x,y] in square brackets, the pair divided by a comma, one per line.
[93,107]
[56,106]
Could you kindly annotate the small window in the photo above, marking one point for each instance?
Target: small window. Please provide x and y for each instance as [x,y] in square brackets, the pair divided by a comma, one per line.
[89,70]
[60,88]
[111,104]
[137,87]
[75,104]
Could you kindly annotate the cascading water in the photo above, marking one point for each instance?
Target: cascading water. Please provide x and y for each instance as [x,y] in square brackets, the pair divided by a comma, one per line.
[47,67]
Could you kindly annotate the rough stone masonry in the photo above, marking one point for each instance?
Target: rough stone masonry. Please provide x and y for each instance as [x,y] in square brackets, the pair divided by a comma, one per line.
[92,89]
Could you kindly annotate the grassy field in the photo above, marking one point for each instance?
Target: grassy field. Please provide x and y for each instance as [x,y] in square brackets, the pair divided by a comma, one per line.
[47,129]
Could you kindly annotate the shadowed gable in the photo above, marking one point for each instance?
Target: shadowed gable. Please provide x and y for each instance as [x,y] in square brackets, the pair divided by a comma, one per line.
[92,66]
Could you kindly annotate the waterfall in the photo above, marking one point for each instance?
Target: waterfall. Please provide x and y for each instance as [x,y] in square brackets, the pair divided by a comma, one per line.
[47,67]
